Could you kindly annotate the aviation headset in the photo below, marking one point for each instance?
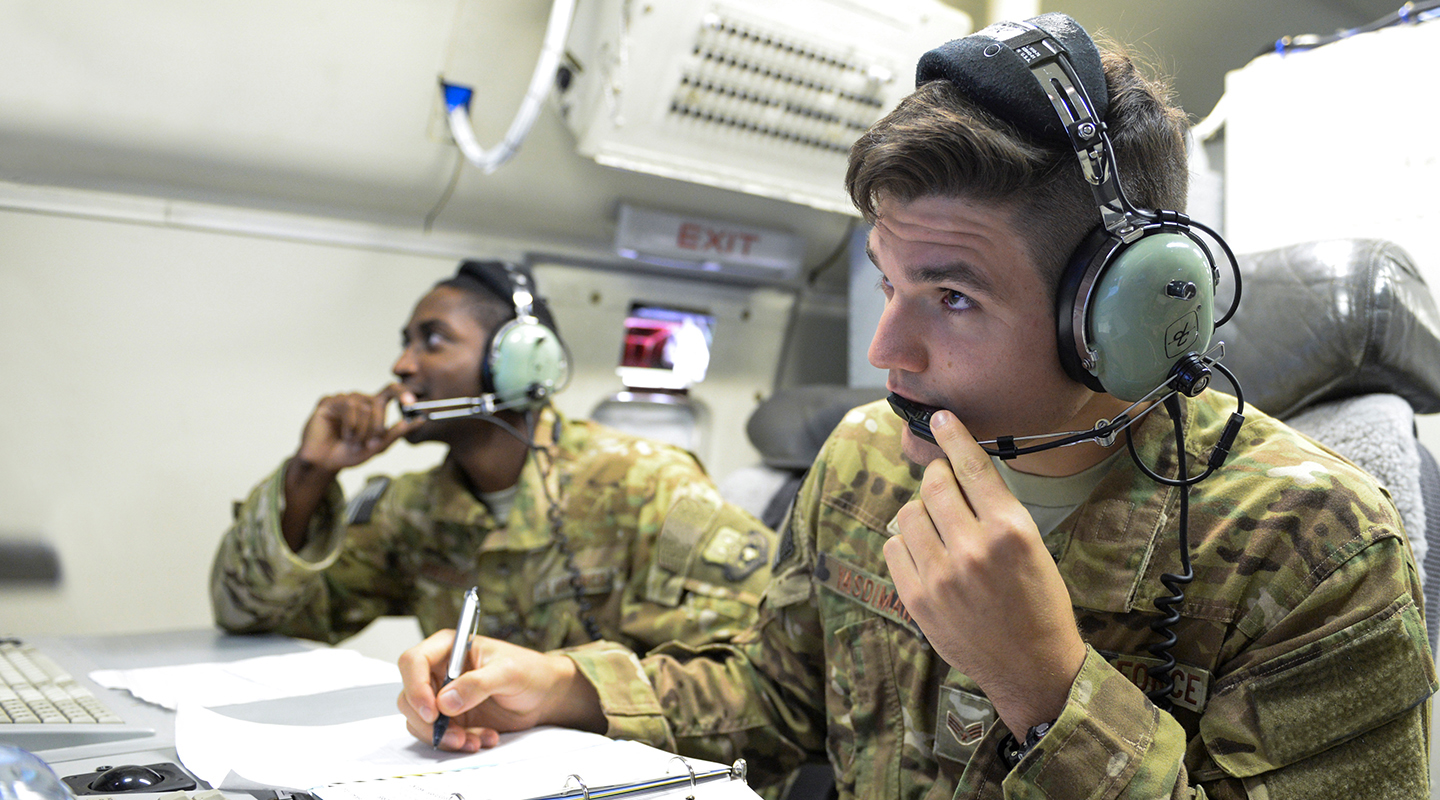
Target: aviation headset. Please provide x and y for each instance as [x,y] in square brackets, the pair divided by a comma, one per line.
[525,361]
[1135,307]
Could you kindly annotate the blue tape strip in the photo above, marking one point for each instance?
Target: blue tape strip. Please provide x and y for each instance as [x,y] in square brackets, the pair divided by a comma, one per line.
[457,96]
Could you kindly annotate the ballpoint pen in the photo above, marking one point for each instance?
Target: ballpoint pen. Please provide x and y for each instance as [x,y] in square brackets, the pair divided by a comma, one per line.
[464,630]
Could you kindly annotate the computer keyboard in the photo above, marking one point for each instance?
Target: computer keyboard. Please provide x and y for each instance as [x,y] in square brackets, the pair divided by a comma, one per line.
[36,690]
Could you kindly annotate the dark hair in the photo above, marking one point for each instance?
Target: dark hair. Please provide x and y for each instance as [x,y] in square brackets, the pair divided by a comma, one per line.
[938,142]
[488,283]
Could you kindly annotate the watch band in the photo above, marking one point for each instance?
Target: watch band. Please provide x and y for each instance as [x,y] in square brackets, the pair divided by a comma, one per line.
[1012,751]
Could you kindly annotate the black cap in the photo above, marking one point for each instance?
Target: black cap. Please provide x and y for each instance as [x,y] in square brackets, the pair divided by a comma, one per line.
[995,77]
[495,278]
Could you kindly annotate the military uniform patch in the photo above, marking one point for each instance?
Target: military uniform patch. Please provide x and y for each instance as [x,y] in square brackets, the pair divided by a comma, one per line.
[738,554]
[962,720]
[592,581]
[685,524]
[1191,684]
[867,589]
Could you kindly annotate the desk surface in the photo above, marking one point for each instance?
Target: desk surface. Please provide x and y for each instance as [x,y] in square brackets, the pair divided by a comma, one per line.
[82,654]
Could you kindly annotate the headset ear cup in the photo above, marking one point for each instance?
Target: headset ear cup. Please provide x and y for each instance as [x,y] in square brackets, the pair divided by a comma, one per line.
[1146,305]
[487,375]
[526,363]
[1083,262]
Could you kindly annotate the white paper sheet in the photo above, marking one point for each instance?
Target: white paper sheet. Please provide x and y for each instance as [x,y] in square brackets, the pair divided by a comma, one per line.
[252,679]
[375,759]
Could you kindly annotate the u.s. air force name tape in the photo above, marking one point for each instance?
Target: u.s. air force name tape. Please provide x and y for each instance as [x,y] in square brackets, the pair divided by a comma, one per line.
[865,588]
[1190,684]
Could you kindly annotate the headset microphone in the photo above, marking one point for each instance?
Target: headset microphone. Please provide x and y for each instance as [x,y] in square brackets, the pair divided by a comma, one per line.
[486,405]
[916,415]
[1191,376]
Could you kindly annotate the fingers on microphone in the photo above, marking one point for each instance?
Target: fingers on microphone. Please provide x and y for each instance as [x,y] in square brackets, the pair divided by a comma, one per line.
[969,468]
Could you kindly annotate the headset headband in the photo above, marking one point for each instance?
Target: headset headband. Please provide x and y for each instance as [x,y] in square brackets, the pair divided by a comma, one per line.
[1045,76]
[521,295]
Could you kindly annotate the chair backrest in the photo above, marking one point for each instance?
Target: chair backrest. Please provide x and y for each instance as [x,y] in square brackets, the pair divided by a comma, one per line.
[788,429]
[1325,320]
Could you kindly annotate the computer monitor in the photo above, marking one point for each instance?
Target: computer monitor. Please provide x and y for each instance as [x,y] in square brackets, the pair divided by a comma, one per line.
[665,347]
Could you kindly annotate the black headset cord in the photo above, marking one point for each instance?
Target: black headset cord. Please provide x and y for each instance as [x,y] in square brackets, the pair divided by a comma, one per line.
[1169,605]
[544,462]
[562,542]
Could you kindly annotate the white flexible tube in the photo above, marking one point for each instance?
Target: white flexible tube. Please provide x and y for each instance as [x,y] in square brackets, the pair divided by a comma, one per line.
[561,13]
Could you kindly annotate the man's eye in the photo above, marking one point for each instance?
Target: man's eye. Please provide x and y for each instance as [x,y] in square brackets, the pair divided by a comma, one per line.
[884,285]
[956,301]
[433,340]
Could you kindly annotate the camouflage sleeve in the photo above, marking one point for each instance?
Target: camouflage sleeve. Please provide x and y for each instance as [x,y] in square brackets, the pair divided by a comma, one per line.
[632,709]
[701,563]
[258,584]
[1328,700]
[760,695]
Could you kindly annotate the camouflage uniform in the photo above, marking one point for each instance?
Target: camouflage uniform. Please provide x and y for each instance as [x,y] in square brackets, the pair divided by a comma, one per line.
[657,555]
[1303,662]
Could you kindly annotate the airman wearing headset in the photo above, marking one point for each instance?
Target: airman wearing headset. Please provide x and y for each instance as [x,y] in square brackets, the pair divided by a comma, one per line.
[1188,599]
[573,532]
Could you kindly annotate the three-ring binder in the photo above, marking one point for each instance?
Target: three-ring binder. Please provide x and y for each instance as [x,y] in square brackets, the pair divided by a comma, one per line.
[735,771]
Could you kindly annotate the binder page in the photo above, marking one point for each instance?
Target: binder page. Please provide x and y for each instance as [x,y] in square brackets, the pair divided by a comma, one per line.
[232,753]
[377,758]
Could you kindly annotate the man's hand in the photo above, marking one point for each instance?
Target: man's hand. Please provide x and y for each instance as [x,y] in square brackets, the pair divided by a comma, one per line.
[505,688]
[971,568]
[349,429]
[344,430]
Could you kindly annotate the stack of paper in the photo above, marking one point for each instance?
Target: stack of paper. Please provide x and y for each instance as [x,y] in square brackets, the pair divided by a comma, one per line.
[227,733]
[253,679]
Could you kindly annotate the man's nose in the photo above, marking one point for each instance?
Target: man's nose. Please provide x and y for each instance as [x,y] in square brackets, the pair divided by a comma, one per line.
[404,366]
[897,343]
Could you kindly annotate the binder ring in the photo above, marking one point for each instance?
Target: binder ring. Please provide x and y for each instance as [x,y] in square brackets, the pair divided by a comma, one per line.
[688,768]
[584,790]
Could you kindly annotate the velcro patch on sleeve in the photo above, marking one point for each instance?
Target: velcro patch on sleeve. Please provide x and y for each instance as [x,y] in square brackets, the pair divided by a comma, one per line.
[685,524]
[962,720]
[362,505]
[1328,692]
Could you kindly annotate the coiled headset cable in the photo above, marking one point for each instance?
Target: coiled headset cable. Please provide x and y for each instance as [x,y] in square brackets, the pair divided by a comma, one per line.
[545,463]
[1175,583]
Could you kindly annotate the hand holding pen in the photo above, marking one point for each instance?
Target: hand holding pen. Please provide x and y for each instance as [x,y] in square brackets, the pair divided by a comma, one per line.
[511,688]
[464,631]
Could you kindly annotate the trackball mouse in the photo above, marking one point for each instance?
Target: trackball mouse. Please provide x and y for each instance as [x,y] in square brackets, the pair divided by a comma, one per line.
[126,778]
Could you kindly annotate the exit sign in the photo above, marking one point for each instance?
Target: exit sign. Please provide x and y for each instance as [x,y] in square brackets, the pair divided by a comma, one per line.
[697,243]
